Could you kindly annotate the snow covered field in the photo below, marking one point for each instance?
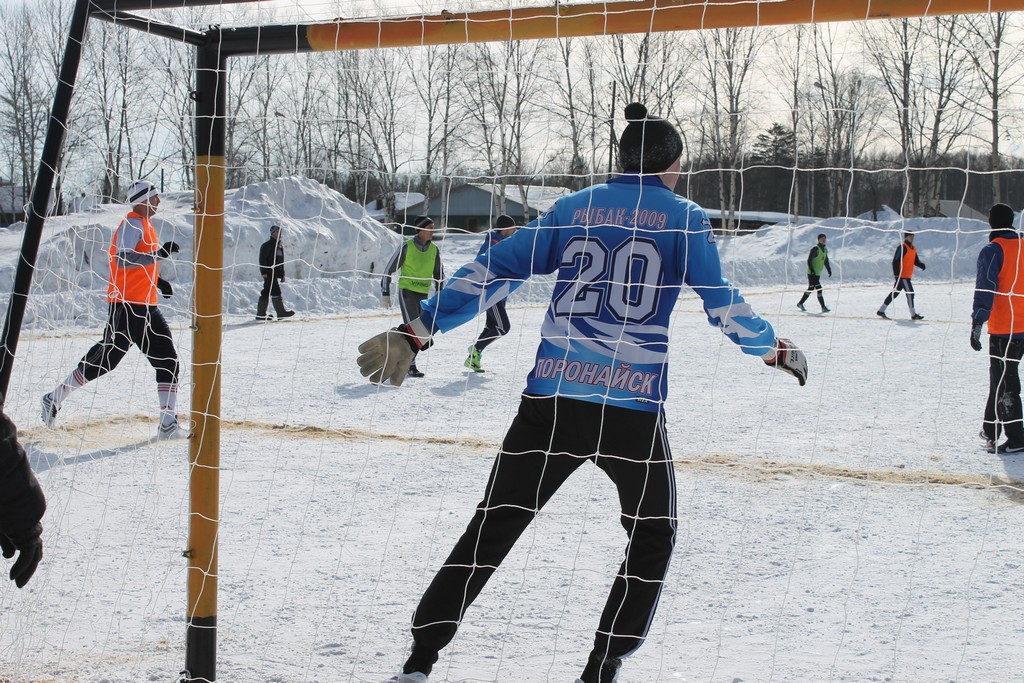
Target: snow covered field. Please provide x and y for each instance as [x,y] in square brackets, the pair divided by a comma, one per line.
[849,530]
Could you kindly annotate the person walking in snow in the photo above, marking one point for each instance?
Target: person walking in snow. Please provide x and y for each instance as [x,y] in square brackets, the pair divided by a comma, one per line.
[132,313]
[903,263]
[418,263]
[497,324]
[272,270]
[999,301]
[817,261]
[621,252]
[22,505]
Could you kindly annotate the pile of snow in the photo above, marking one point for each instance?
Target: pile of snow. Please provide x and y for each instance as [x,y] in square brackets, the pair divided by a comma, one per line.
[336,251]
[859,250]
[332,249]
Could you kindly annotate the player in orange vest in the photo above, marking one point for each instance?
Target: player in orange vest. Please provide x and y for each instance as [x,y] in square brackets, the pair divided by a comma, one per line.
[132,315]
[999,301]
[903,264]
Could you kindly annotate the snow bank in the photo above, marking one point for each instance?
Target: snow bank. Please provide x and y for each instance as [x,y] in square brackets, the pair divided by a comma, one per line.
[332,247]
[335,252]
[860,250]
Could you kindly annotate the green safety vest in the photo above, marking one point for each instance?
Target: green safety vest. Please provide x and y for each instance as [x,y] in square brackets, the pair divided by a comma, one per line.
[818,263]
[418,268]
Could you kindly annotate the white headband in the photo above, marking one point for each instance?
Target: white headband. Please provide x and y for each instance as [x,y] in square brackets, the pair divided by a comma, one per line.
[141,192]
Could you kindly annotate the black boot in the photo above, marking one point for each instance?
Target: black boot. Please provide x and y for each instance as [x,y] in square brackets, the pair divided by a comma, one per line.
[282,312]
[261,309]
[421,660]
[601,669]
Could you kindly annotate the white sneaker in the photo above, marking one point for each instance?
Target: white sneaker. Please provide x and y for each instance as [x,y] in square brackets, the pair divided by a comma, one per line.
[414,677]
[166,432]
[49,412]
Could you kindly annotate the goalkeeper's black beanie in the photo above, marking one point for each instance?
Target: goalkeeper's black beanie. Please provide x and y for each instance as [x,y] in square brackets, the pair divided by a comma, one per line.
[648,144]
[1000,216]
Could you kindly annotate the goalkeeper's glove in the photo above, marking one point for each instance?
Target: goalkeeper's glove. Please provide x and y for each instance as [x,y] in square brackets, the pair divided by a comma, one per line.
[22,505]
[976,336]
[167,249]
[165,287]
[388,355]
[385,300]
[788,358]
[29,547]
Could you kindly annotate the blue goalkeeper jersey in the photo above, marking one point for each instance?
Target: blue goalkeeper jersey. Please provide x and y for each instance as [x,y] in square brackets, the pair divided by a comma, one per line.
[621,252]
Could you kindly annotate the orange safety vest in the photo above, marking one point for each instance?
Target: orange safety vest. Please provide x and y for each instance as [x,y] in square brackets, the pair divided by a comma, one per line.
[134,284]
[909,258]
[1007,315]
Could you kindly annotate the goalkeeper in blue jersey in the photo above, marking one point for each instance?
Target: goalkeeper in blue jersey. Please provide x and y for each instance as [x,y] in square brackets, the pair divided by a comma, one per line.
[621,252]
[497,325]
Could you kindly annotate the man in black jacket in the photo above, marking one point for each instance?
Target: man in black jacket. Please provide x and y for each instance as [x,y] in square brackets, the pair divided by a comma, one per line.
[21,506]
[272,270]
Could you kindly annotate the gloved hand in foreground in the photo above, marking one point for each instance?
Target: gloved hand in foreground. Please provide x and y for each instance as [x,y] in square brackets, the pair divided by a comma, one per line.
[388,355]
[29,546]
[22,505]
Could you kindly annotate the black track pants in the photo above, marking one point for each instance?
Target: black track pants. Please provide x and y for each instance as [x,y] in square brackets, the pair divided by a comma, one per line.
[538,454]
[129,324]
[1003,407]
[497,326]
[903,284]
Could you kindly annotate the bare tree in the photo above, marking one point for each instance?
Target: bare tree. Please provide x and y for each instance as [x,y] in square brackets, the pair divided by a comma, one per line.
[986,40]
[436,78]
[925,75]
[24,104]
[727,62]
[568,83]
[847,115]
[499,99]
[382,106]
[791,65]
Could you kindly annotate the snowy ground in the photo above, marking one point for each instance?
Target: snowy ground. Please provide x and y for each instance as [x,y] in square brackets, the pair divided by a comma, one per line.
[850,530]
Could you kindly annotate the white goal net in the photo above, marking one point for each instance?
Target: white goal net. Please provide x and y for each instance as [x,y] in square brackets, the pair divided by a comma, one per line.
[851,529]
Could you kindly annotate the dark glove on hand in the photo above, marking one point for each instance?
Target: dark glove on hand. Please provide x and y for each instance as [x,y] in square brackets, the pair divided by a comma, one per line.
[168,249]
[976,336]
[165,287]
[29,547]
[922,267]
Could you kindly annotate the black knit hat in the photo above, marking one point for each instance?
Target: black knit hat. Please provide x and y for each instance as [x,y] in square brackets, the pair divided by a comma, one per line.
[423,223]
[1000,216]
[648,144]
[504,222]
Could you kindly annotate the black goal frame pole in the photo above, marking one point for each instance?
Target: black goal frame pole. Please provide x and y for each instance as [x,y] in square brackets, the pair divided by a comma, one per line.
[41,191]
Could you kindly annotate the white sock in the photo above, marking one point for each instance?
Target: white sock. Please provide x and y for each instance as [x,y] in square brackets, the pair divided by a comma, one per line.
[168,394]
[75,380]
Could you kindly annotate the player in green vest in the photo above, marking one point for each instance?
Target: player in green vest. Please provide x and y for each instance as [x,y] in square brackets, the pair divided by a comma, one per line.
[817,261]
[418,262]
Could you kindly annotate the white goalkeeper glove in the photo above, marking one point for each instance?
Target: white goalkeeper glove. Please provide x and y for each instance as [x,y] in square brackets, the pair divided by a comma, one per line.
[788,358]
[385,300]
[388,355]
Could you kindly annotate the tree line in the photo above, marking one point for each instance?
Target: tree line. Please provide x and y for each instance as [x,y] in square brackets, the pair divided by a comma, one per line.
[819,120]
